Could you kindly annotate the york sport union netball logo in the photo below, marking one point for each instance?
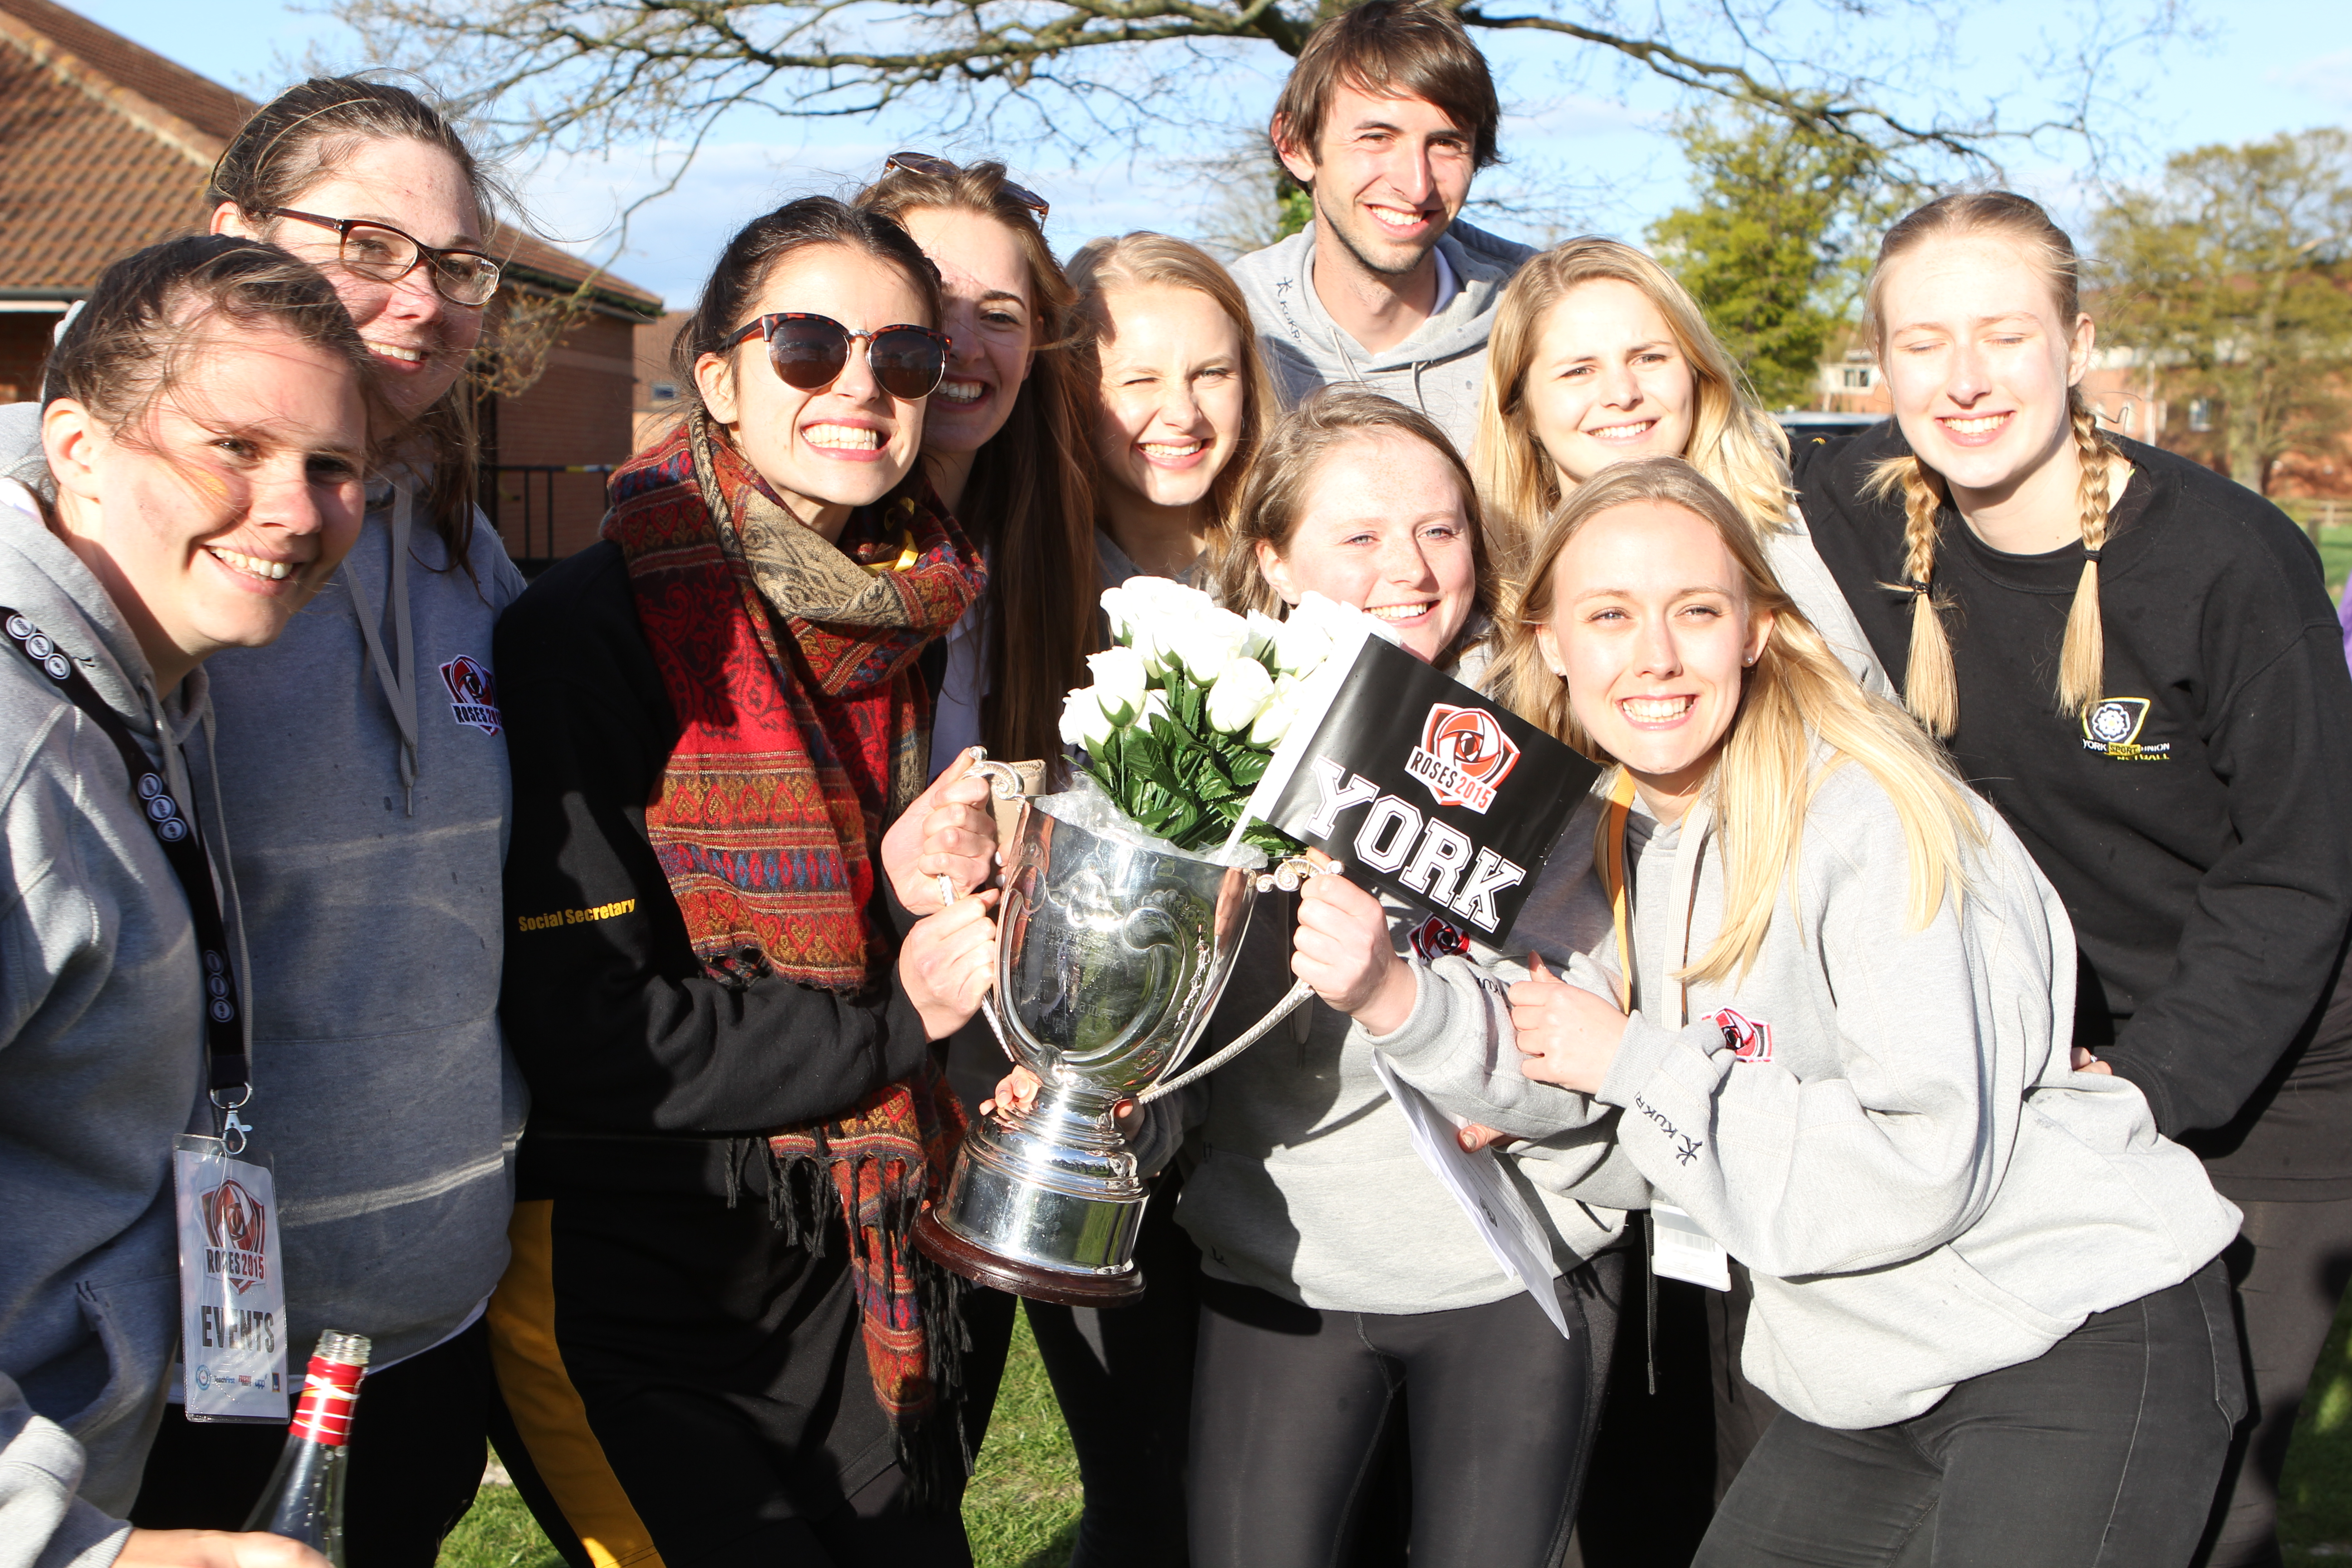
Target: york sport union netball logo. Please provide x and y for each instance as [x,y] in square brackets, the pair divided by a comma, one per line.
[237,1223]
[2112,730]
[1462,756]
[472,695]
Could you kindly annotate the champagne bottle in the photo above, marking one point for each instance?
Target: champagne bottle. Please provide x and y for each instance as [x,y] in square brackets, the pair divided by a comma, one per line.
[304,1498]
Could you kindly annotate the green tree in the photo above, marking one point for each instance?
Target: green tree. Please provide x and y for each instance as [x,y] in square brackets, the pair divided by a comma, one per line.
[1784,223]
[2233,275]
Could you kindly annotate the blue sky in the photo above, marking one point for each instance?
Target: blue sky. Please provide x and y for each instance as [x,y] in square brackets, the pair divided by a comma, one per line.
[2260,69]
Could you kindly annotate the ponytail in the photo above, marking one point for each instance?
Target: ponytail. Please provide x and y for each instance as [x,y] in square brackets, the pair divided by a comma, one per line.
[2081,659]
[1930,687]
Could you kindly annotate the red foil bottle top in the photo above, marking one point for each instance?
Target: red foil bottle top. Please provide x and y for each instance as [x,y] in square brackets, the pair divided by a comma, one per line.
[329,1391]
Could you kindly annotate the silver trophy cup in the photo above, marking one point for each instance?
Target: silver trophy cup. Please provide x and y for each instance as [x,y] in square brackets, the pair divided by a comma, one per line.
[1112,959]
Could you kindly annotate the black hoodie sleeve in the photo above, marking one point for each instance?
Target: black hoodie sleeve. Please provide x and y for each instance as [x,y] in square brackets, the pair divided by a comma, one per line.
[616,1025]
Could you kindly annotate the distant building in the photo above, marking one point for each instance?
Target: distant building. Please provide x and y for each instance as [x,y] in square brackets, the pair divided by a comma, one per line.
[106,146]
[660,396]
[2121,388]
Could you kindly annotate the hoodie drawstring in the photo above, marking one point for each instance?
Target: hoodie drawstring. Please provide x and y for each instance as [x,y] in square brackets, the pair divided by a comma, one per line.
[397,676]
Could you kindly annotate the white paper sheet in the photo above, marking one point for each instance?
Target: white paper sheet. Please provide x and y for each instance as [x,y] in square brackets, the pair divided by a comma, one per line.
[1495,1208]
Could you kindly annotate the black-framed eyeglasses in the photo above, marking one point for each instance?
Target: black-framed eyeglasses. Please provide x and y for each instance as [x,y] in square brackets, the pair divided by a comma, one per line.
[810,351]
[387,255]
[940,168]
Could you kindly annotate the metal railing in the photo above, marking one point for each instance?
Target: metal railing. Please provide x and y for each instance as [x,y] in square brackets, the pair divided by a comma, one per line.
[535,488]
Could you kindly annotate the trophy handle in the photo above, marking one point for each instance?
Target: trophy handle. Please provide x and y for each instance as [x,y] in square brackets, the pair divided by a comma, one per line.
[1289,875]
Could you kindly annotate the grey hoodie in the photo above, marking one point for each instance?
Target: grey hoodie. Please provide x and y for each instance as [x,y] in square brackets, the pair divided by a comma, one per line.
[1308,1183]
[1879,1120]
[382,1088]
[102,1065]
[1437,370]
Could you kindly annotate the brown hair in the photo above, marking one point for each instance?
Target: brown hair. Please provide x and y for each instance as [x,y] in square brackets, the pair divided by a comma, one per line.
[1930,687]
[155,312]
[1268,510]
[1029,500]
[1740,448]
[1392,48]
[1144,260]
[1798,700]
[299,137]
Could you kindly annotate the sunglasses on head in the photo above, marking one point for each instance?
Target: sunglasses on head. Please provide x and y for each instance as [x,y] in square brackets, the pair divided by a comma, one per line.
[940,168]
[810,353]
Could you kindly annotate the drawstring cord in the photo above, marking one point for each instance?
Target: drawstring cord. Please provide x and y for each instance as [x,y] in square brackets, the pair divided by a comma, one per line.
[396,676]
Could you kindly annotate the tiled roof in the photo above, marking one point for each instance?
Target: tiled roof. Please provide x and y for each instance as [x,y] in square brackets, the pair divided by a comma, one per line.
[105,146]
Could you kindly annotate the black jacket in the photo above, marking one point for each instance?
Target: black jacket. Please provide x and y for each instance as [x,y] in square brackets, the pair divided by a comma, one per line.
[2198,822]
[616,1026]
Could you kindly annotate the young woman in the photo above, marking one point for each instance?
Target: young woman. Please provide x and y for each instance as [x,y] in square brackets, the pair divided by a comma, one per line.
[1003,448]
[1829,996]
[2136,661]
[205,437]
[1182,404]
[365,785]
[1344,1290]
[717,1338]
[1599,356]
[1180,408]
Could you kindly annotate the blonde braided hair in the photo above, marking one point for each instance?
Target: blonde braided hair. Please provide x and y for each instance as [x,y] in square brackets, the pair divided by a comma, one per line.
[1930,686]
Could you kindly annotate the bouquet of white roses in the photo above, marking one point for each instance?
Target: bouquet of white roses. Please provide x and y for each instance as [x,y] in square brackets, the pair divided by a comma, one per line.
[1188,706]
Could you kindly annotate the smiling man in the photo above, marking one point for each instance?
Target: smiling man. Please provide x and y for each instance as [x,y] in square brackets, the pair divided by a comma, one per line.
[1388,114]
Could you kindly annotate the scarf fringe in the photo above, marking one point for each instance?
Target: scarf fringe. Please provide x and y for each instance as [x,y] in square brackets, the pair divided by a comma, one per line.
[805,1197]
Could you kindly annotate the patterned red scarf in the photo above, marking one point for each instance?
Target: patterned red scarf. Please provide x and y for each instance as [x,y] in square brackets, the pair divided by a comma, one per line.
[802,730]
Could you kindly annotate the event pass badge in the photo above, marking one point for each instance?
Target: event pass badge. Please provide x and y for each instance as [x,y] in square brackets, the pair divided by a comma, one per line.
[232,1290]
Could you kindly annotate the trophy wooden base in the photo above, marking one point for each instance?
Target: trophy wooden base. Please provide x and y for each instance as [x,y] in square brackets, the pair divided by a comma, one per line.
[1029,1280]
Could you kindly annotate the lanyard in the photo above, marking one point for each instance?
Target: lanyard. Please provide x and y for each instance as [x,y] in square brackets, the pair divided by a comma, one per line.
[230,1069]
[1685,887]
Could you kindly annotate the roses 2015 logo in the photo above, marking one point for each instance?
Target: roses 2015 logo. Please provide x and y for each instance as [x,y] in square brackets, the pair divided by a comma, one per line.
[472,695]
[237,1223]
[1462,756]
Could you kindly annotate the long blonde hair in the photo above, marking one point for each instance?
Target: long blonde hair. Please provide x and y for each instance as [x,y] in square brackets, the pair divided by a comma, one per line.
[1144,260]
[1799,699]
[1740,448]
[1930,687]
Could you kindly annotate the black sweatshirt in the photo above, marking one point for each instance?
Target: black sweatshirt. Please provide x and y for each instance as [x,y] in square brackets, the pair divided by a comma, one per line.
[2197,822]
[616,1025]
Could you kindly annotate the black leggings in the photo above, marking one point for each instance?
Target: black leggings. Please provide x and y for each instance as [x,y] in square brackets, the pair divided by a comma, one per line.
[2100,1453]
[1290,1406]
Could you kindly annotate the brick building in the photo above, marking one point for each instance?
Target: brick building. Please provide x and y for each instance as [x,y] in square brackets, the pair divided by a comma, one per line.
[657,402]
[106,146]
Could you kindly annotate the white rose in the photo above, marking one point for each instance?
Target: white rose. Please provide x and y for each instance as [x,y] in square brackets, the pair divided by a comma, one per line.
[1121,607]
[1165,596]
[1155,706]
[1240,692]
[1264,630]
[1302,644]
[1084,723]
[1120,682]
[1274,723]
[1152,635]
[1209,641]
